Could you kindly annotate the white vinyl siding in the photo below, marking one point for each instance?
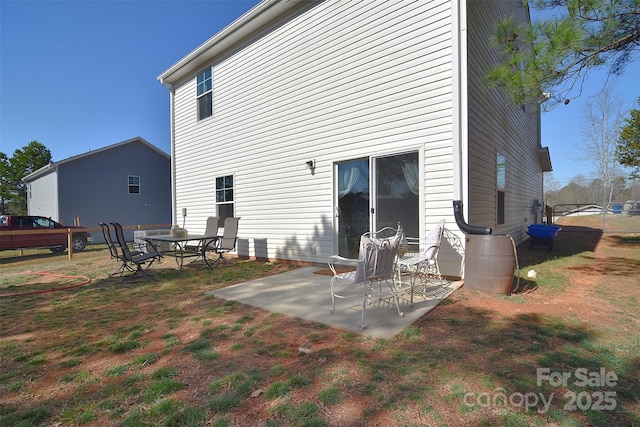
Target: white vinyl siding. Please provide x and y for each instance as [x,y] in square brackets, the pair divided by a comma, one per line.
[338,81]
[497,126]
[43,196]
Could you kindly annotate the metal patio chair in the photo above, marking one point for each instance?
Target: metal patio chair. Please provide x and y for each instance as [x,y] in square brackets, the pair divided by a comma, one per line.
[421,259]
[113,250]
[211,229]
[375,265]
[358,226]
[133,262]
[227,242]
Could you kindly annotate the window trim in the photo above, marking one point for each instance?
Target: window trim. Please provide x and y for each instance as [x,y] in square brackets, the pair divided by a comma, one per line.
[130,184]
[224,189]
[206,93]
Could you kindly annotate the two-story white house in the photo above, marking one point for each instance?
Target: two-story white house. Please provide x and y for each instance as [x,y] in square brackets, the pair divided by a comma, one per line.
[317,120]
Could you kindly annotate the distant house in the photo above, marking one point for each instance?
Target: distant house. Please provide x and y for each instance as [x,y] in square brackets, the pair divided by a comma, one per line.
[128,182]
[316,120]
[587,210]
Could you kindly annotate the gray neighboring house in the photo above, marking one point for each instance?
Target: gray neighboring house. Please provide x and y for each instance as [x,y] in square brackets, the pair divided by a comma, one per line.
[128,182]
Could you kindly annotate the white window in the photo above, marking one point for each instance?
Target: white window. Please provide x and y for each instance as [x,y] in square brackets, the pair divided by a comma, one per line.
[224,197]
[134,184]
[204,84]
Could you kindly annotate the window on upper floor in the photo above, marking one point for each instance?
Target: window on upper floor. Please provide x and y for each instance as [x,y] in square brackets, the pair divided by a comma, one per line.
[204,83]
[224,197]
[134,184]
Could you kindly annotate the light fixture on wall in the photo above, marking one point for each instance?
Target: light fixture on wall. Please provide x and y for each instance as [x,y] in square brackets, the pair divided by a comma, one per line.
[311,165]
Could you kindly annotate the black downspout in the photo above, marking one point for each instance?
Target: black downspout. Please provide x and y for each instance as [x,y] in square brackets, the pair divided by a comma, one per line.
[466,228]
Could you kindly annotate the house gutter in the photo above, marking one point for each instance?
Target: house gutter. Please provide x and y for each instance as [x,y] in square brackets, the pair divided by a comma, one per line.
[39,172]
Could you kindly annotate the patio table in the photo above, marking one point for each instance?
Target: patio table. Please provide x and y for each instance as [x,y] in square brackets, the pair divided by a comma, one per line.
[180,250]
[411,265]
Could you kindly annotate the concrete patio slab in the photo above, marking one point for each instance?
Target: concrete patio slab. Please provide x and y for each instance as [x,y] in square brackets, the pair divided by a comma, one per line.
[303,294]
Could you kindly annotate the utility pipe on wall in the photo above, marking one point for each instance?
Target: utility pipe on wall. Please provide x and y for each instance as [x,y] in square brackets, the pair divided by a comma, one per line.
[459,87]
[173,150]
[464,227]
[461,118]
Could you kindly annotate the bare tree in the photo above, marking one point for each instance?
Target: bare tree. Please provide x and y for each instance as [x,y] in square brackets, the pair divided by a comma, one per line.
[632,192]
[551,183]
[552,190]
[577,191]
[603,120]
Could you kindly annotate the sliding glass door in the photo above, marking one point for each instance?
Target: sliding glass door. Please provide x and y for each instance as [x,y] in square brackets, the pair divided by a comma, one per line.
[397,192]
[353,205]
[373,193]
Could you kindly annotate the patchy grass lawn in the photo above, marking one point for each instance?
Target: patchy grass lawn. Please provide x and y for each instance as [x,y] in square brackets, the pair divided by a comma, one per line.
[563,351]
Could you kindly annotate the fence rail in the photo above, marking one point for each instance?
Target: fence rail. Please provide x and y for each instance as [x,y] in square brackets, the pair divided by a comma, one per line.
[69,232]
[619,217]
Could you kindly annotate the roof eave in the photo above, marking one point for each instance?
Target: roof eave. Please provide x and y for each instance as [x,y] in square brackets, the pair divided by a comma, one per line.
[545,159]
[39,172]
[54,165]
[259,17]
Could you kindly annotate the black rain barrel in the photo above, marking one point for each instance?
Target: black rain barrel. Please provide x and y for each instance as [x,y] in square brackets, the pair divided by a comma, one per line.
[490,262]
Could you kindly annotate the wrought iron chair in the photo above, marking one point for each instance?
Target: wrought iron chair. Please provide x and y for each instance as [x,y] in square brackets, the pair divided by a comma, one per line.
[421,259]
[376,264]
[129,259]
[227,242]
[358,226]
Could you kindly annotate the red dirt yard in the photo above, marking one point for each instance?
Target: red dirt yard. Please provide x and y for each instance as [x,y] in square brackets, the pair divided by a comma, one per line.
[60,351]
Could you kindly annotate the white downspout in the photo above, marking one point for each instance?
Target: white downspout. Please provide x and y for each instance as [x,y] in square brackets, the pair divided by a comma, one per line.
[460,106]
[173,150]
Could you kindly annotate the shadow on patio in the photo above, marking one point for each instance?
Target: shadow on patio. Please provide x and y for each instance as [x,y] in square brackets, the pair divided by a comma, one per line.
[304,294]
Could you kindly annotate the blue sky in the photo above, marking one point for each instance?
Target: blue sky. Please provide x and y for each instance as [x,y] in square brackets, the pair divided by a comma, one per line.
[562,126]
[80,75]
